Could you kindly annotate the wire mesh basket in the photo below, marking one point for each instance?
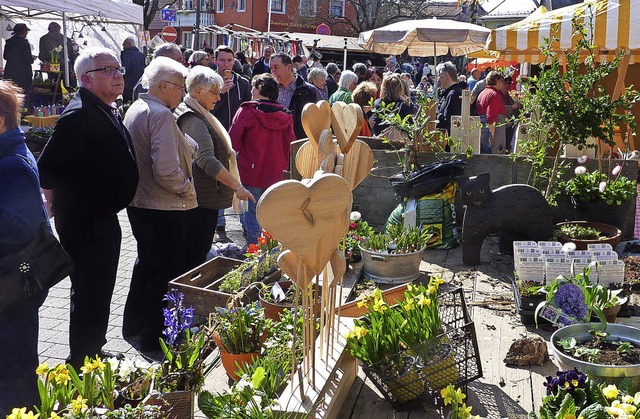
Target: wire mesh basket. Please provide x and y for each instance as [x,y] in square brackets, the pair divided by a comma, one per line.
[452,357]
[173,405]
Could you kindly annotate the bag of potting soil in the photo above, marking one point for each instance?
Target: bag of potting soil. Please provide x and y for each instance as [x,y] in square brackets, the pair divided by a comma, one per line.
[436,211]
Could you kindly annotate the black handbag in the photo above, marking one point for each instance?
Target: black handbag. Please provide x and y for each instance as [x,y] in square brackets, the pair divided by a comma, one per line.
[39,266]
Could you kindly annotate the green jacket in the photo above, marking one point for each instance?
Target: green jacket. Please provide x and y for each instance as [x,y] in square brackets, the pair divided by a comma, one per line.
[340,95]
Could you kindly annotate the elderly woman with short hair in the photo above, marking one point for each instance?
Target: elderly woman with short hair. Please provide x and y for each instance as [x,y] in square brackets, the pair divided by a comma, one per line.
[346,85]
[160,208]
[215,171]
[318,78]
[199,58]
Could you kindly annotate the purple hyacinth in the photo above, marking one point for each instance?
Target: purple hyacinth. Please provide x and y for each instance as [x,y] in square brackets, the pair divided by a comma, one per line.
[570,299]
[177,318]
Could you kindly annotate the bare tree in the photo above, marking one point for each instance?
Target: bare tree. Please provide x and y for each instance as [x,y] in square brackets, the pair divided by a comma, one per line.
[151,7]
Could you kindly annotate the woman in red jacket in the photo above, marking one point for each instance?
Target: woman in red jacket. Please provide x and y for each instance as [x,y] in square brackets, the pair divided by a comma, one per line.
[492,114]
[261,133]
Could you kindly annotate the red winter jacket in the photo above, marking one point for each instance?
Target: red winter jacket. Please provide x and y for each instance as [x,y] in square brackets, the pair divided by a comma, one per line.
[261,134]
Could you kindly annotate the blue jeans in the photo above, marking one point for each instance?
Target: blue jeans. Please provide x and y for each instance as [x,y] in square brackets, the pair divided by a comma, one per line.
[249,219]
[222,221]
[485,136]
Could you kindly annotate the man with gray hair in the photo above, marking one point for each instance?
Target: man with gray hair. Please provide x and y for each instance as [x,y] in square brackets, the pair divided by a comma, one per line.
[451,97]
[89,173]
[133,62]
[360,69]
[168,49]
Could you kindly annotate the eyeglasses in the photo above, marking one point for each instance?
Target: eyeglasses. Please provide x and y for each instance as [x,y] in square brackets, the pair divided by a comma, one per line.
[213,92]
[175,84]
[109,71]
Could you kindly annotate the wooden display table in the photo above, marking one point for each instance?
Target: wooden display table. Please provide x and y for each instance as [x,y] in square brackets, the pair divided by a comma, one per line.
[44,121]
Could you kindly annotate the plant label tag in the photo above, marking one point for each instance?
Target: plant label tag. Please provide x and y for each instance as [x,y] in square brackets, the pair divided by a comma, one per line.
[600,255]
[545,244]
[599,246]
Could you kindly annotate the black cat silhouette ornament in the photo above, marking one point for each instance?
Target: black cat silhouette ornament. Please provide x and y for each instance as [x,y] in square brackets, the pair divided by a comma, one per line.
[516,212]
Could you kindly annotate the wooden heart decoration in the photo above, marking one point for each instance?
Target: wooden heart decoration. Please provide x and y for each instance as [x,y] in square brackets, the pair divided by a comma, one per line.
[347,122]
[338,266]
[315,119]
[288,262]
[309,219]
[307,161]
[357,164]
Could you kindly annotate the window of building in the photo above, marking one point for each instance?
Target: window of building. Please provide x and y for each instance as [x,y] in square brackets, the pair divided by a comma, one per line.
[278,6]
[219,6]
[308,7]
[187,4]
[242,5]
[336,8]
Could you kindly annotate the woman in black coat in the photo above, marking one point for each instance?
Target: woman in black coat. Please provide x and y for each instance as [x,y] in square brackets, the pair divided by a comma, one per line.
[17,52]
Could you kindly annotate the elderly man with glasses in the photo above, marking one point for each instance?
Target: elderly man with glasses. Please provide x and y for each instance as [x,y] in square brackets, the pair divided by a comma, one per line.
[161,207]
[89,173]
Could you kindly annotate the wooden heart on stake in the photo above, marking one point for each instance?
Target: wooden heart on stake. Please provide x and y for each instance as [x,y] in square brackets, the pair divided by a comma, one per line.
[357,164]
[315,119]
[309,219]
[288,262]
[347,122]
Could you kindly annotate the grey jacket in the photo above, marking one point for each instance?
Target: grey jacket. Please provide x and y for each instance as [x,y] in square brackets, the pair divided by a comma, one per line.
[210,158]
[164,157]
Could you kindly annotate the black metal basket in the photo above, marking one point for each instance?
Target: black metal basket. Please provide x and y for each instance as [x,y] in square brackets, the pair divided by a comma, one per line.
[453,357]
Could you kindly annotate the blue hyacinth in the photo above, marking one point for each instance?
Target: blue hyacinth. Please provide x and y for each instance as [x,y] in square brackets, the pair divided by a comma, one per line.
[177,318]
[570,299]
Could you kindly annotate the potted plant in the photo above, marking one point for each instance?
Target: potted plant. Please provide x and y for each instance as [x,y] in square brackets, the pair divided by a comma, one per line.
[394,256]
[583,233]
[526,299]
[567,104]
[133,379]
[609,301]
[182,370]
[281,295]
[239,331]
[358,231]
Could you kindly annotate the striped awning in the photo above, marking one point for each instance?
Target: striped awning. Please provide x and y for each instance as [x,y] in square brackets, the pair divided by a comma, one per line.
[613,25]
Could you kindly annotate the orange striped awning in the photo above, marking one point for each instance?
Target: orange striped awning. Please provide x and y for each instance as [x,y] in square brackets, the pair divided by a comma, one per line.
[614,25]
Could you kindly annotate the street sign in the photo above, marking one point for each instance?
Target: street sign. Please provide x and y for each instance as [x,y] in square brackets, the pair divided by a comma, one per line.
[323,29]
[169,34]
[168,15]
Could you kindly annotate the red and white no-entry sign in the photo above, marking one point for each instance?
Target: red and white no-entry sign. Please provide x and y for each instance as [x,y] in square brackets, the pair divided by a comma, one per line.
[169,34]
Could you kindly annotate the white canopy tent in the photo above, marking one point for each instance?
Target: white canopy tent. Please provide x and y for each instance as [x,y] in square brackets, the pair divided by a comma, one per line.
[121,16]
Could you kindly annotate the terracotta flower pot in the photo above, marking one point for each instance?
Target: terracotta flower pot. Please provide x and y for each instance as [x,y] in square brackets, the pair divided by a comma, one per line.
[231,362]
[611,313]
[613,234]
[273,310]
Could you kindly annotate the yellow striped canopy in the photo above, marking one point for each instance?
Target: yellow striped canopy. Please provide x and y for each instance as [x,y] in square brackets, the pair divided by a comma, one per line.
[613,25]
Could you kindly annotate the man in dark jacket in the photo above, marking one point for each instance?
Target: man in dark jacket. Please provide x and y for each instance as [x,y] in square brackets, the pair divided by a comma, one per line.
[333,75]
[89,172]
[294,91]
[451,99]
[236,90]
[17,52]
[133,62]
[54,39]
[262,65]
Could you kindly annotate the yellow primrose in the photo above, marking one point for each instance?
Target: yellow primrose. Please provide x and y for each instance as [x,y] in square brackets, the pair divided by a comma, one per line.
[42,369]
[628,408]
[627,399]
[610,391]
[78,405]
[616,403]
[636,398]
[616,412]
[569,416]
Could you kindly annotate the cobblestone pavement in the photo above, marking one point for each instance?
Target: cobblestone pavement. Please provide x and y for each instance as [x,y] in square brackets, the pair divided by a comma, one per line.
[53,344]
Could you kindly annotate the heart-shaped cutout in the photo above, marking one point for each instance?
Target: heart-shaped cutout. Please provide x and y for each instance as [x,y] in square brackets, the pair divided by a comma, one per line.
[309,219]
[338,266]
[347,121]
[357,164]
[288,262]
[307,161]
[316,117]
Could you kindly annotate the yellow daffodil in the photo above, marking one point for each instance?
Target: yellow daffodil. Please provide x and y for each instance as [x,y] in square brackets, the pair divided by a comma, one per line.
[87,368]
[98,364]
[54,415]
[439,280]
[360,332]
[460,395]
[377,294]
[63,377]
[78,405]
[42,369]
[379,306]
[610,391]
[446,395]
[408,304]
[423,301]
[361,303]
[410,288]
[569,416]
[432,290]
[16,413]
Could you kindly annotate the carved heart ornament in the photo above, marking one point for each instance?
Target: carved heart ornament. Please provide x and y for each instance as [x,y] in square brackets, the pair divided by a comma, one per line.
[288,262]
[316,118]
[307,218]
[347,122]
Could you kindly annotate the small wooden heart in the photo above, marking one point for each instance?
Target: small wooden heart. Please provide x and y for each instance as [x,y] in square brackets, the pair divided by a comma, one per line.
[288,262]
[307,159]
[315,119]
[347,122]
[357,164]
[309,219]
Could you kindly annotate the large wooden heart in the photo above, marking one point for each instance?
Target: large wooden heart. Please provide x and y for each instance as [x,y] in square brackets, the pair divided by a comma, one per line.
[316,118]
[288,262]
[357,164]
[347,122]
[309,219]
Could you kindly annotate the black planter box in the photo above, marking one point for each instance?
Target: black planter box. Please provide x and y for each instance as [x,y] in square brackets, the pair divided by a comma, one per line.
[526,306]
